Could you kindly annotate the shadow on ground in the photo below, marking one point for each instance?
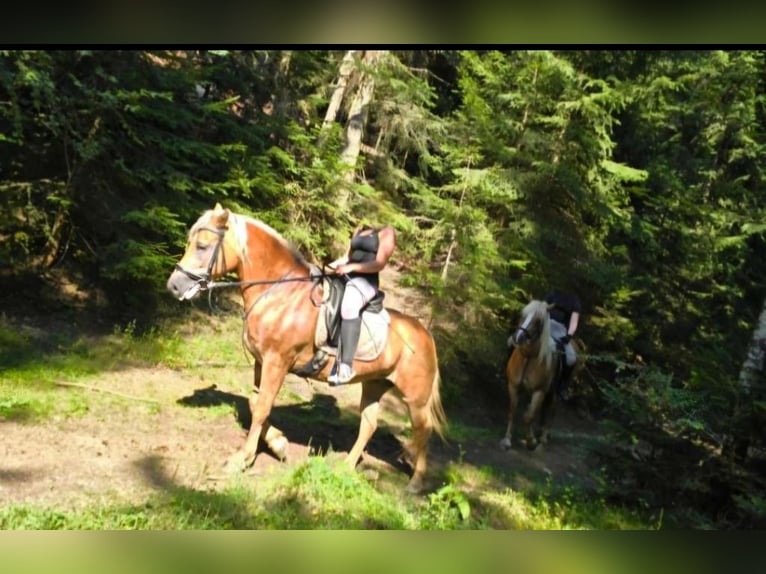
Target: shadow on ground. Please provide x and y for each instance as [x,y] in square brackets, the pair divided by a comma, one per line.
[319,424]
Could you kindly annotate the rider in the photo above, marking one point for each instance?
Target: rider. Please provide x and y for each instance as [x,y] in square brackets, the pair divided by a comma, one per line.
[368,252]
[565,318]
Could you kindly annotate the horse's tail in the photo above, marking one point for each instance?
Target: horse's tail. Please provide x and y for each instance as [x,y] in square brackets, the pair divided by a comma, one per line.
[436,412]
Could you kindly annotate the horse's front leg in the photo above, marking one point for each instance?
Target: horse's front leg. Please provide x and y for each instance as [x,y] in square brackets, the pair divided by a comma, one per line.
[268,379]
[275,438]
[547,412]
[529,416]
[513,399]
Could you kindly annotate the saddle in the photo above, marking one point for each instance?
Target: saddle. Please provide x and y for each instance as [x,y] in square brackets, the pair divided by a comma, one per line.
[373,336]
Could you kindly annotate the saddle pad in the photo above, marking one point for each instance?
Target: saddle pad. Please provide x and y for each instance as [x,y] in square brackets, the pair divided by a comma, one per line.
[372,339]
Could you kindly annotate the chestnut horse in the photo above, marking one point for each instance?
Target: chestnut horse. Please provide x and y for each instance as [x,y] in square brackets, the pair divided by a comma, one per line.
[280,292]
[534,365]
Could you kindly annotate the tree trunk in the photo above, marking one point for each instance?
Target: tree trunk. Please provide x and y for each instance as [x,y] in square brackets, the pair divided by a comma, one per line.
[356,121]
[752,368]
[750,375]
[453,233]
[346,67]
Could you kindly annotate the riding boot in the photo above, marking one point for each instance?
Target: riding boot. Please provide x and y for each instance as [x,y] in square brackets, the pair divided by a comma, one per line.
[563,383]
[350,330]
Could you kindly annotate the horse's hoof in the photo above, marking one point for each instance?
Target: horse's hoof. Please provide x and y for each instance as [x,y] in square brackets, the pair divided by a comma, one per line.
[237,463]
[415,486]
[505,444]
[279,447]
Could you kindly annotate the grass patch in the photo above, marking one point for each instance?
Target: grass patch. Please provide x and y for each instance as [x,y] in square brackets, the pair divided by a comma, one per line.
[320,494]
[458,431]
[33,360]
[315,495]
[16,346]
[15,408]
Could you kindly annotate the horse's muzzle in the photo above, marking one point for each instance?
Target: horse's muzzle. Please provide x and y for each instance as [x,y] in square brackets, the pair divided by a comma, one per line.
[182,286]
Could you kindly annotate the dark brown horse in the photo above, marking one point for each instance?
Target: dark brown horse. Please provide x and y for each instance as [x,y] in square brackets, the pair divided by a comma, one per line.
[280,295]
[533,366]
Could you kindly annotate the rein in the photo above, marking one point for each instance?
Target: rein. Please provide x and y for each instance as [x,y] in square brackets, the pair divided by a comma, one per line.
[206,283]
[283,279]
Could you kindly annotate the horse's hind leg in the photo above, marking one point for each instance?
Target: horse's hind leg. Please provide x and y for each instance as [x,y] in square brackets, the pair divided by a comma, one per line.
[372,391]
[421,433]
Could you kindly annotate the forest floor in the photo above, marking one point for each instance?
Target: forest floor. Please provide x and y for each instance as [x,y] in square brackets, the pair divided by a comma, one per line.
[141,428]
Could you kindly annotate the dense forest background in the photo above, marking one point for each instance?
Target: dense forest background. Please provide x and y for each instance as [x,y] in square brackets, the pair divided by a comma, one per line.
[633,178]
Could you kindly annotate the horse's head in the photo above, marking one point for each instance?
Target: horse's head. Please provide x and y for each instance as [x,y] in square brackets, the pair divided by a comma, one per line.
[208,255]
[534,325]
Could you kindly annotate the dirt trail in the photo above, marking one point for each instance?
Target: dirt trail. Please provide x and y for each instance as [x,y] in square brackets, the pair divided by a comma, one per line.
[124,450]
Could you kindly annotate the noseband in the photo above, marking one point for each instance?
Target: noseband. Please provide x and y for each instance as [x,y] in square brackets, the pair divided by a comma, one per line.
[204,279]
[531,335]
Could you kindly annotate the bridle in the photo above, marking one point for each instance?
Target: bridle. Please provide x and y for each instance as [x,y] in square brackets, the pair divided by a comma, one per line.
[531,334]
[204,280]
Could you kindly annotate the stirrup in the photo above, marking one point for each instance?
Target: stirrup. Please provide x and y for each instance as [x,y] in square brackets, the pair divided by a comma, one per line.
[342,375]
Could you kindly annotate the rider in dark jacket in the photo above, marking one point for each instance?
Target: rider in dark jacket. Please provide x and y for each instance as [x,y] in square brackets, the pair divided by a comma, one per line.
[565,318]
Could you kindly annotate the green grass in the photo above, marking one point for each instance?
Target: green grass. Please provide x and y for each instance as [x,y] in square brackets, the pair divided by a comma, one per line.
[31,363]
[458,431]
[320,494]
[19,408]
[315,495]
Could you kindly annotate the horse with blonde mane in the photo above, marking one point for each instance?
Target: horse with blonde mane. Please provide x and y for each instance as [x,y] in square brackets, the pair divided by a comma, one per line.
[534,366]
[280,292]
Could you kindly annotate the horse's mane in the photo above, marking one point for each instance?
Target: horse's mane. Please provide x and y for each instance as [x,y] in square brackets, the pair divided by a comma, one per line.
[539,311]
[239,223]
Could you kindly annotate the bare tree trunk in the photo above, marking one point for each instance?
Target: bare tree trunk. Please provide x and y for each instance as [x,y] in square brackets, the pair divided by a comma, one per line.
[750,375]
[527,109]
[752,368]
[453,241]
[282,102]
[453,234]
[557,146]
[346,67]
[356,122]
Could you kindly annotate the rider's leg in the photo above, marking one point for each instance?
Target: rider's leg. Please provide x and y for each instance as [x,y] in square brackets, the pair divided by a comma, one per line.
[566,375]
[357,294]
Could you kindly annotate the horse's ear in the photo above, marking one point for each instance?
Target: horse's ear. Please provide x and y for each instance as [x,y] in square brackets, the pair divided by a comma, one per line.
[221,215]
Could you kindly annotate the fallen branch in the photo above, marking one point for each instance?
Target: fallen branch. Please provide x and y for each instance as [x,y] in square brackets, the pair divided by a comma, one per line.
[219,365]
[92,388]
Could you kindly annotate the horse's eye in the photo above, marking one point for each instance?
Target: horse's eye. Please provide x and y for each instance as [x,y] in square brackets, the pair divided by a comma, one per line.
[202,246]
